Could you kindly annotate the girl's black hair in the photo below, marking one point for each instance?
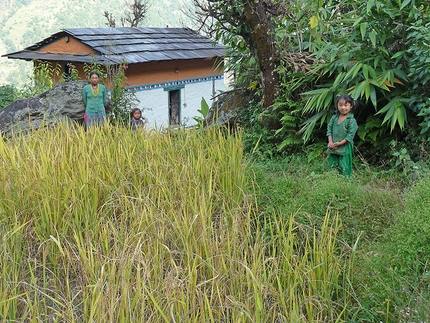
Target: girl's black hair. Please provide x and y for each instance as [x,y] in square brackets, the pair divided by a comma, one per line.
[94,72]
[133,111]
[348,99]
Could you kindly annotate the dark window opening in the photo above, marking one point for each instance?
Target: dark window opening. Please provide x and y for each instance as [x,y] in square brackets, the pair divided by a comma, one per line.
[67,71]
[174,107]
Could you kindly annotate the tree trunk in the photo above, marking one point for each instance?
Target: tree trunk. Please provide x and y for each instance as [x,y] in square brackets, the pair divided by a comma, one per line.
[263,38]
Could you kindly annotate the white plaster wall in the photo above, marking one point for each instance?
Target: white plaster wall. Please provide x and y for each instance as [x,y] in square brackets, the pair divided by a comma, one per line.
[154,102]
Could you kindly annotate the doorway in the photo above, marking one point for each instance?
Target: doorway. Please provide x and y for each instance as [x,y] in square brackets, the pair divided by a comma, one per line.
[174,107]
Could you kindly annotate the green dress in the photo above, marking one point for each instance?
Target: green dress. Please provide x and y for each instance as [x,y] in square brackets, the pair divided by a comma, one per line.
[95,113]
[341,158]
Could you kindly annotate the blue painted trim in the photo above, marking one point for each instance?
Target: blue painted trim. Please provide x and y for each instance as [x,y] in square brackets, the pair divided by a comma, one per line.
[173,87]
[175,84]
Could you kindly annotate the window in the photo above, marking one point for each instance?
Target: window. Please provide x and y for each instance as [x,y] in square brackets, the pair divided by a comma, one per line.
[174,107]
[67,73]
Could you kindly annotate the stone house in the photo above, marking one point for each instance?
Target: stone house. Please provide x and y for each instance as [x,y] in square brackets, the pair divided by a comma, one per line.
[170,69]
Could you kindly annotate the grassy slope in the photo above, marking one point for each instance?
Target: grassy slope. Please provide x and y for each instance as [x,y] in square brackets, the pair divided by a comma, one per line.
[389,222]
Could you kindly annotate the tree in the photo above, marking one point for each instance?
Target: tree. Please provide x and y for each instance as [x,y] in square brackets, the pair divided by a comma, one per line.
[249,27]
[135,13]
[111,22]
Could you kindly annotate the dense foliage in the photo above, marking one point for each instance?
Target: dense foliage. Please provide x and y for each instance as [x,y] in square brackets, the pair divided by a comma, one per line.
[374,50]
[8,94]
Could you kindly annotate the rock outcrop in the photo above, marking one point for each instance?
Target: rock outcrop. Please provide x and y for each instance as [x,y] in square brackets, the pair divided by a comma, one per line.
[62,102]
[225,110]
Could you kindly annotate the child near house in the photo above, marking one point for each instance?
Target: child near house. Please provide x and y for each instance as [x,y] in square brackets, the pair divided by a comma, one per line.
[340,132]
[136,121]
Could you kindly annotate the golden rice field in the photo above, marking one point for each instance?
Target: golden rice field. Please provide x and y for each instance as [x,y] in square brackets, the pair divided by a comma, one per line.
[112,225]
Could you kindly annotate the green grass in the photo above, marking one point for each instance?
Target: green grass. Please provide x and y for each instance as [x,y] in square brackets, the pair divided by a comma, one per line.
[384,220]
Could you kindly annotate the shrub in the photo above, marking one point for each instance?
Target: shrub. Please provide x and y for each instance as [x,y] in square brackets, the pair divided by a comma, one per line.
[8,94]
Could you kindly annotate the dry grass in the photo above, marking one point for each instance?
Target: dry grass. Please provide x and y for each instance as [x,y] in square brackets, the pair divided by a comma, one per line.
[118,226]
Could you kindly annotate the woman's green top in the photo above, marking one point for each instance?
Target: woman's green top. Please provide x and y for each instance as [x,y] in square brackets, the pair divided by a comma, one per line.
[94,100]
[345,130]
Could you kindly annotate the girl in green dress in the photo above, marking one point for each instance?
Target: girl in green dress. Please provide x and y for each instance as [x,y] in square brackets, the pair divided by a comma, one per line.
[340,132]
[94,97]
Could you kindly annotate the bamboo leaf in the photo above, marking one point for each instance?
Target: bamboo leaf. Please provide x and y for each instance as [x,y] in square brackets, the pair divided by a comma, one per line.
[401,116]
[399,73]
[389,114]
[353,71]
[379,85]
[372,36]
[358,91]
[358,68]
[328,100]
[404,4]
[367,90]
[397,81]
[365,71]
[388,106]
[376,61]
[370,4]
[317,91]
[373,96]
[372,72]
[309,125]
[363,27]
[398,54]
[338,79]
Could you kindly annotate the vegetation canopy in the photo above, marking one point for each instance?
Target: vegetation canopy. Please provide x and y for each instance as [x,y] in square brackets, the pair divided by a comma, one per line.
[315,50]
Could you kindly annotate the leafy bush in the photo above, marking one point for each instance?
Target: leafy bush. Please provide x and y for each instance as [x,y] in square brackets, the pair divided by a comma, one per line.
[8,94]
[383,67]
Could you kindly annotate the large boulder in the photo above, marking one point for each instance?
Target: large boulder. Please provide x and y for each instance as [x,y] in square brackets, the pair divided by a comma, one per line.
[62,102]
[226,109]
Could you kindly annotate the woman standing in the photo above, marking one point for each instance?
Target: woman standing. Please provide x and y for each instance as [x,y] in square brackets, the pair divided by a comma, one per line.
[94,97]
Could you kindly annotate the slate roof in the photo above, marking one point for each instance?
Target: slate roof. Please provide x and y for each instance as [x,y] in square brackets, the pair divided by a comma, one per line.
[132,45]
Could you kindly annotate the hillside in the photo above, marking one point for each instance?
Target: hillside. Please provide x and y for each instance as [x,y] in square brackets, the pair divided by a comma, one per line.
[25,22]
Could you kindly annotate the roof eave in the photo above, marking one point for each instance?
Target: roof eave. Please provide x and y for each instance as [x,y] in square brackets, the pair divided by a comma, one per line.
[29,55]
